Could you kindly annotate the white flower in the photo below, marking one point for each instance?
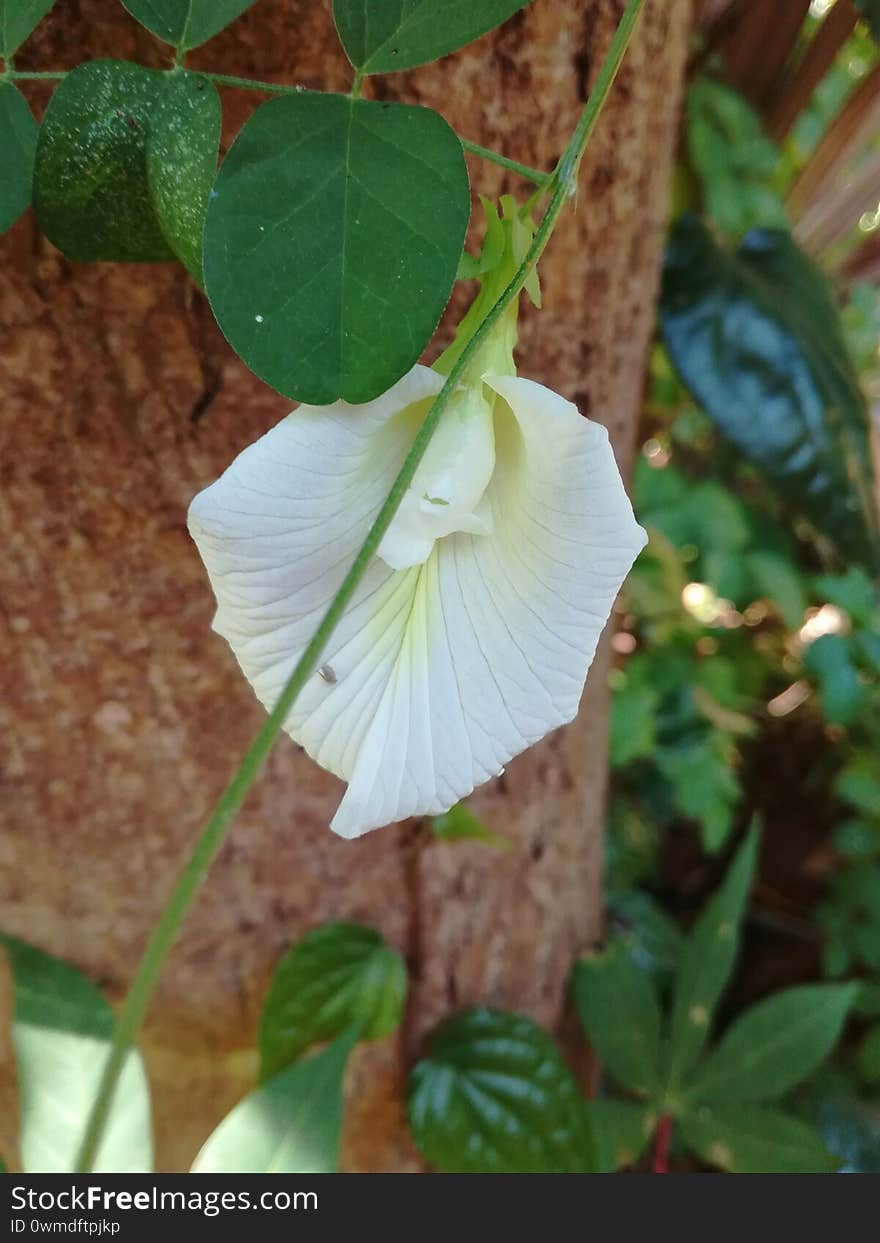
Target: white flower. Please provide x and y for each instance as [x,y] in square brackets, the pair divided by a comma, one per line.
[471,634]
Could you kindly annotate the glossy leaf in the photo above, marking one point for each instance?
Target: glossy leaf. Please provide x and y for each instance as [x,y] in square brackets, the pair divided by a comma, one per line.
[621,1130]
[17,19]
[124,163]
[61,1035]
[186,23]
[338,976]
[620,1013]
[756,338]
[746,1139]
[774,1046]
[18,142]
[381,36]
[290,1125]
[184,138]
[332,242]
[493,1096]
[707,961]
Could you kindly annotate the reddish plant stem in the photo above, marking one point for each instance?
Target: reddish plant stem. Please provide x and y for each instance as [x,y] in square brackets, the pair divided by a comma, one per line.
[662,1140]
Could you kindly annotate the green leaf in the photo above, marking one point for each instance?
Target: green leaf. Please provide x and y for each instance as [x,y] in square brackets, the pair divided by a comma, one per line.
[706,963]
[868,1056]
[774,1046]
[620,1013]
[61,1034]
[459,824]
[332,242]
[621,1130]
[734,159]
[843,697]
[381,36]
[17,19]
[184,137]
[18,142]
[124,163]
[778,579]
[340,975]
[632,732]
[495,1097]
[655,941]
[186,23]
[744,1139]
[757,340]
[290,1125]
[704,786]
[870,10]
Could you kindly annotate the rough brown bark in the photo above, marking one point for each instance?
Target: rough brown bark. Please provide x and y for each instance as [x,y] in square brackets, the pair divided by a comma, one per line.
[124,715]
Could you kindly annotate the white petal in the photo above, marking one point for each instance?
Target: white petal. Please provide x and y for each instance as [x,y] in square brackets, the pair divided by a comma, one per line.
[446,670]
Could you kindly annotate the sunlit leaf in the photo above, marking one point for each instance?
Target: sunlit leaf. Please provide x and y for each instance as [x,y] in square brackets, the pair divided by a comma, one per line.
[459,824]
[17,19]
[749,1139]
[493,1096]
[290,1125]
[186,23]
[61,1034]
[707,961]
[124,163]
[18,142]
[381,36]
[620,1013]
[340,975]
[332,242]
[756,338]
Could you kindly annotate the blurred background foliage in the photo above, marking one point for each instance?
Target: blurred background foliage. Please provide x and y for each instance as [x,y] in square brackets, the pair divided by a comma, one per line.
[747,663]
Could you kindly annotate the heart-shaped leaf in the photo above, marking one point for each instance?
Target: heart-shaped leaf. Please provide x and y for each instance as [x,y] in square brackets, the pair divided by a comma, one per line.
[124,163]
[18,142]
[290,1125]
[756,338]
[338,976]
[494,1097]
[332,242]
[61,1034]
[186,23]
[381,36]
[17,19]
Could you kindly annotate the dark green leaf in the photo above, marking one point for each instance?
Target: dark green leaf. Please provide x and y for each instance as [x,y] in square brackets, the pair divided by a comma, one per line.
[18,142]
[633,721]
[61,1035]
[459,824]
[707,961]
[17,19]
[777,578]
[621,1130]
[851,1130]
[340,975]
[186,23]
[868,1056]
[704,785]
[381,36]
[620,1012]
[855,592]
[746,1139]
[756,338]
[290,1125]
[494,1097]
[655,940]
[124,163]
[332,242]
[184,136]
[829,660]
[774,1046]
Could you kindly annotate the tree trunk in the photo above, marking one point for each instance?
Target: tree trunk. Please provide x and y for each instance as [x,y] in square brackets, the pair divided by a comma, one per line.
[125,715]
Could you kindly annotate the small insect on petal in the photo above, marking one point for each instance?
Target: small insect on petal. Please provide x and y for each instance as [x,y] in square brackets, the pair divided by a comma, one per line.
[326,672]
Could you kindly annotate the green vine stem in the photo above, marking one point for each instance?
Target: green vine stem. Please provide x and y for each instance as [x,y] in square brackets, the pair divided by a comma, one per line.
[131,1015]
